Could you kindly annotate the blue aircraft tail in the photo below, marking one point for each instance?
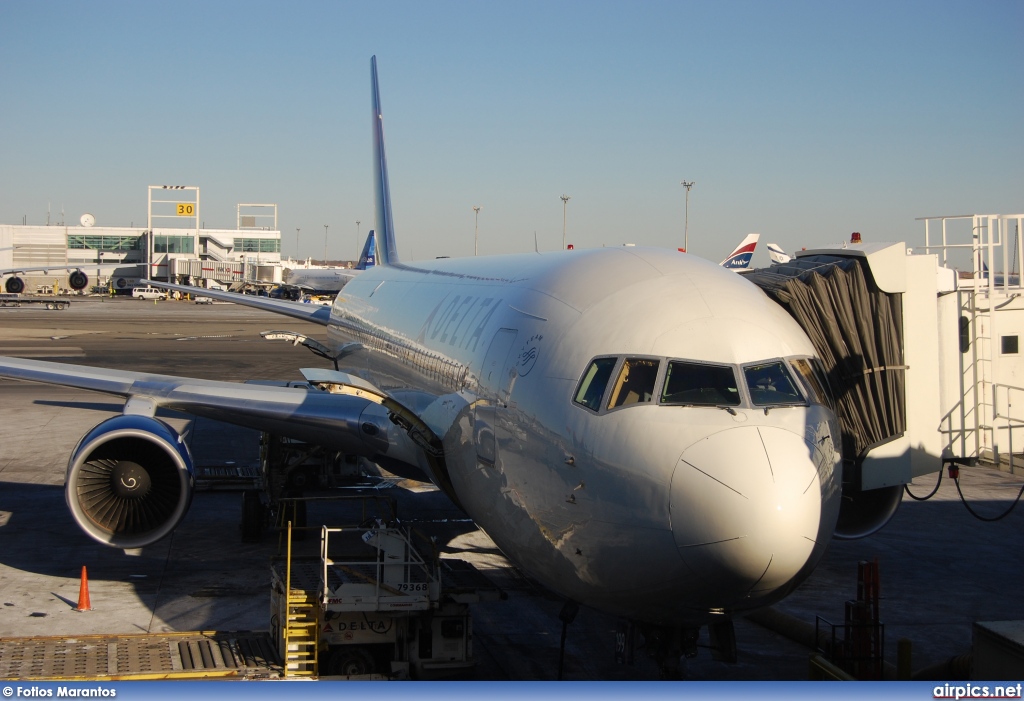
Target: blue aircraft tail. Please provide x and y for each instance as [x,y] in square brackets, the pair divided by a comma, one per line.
[366,258]
[387,253]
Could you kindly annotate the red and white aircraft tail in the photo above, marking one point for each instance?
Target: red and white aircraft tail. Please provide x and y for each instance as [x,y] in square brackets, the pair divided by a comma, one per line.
[739,259]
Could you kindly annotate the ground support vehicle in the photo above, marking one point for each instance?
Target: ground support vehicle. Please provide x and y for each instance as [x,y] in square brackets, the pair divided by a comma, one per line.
[16,300]
[371,606]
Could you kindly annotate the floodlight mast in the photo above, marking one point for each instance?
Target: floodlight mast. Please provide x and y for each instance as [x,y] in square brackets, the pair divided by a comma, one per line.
[565,201]
[476,229]
[686,222]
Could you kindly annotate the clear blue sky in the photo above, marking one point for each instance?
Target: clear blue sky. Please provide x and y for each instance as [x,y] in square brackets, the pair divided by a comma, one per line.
[803,121]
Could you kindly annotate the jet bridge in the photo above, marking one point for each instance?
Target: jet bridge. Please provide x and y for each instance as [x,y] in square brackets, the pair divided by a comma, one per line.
[873,315]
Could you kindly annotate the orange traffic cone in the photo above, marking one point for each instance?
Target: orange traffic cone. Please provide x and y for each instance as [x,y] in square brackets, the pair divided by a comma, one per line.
[83,593]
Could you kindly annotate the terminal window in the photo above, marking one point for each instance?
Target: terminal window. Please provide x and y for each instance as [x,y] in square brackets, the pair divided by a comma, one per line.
[173,244]
[105,242]
[253,245]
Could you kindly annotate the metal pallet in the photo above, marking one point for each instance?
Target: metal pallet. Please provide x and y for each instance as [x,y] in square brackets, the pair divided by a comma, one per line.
[195,655]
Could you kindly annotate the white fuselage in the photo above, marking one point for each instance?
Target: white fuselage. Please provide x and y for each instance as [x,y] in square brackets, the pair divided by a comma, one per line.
[320,280]
[664,514]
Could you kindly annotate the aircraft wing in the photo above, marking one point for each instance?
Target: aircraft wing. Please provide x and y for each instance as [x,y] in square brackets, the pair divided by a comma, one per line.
[317,314]
[339,421]
[45,269]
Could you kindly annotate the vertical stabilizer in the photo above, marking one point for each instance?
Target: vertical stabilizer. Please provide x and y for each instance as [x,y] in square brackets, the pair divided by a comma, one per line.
[387,254]
[778,255]
[739,259]
[367,259]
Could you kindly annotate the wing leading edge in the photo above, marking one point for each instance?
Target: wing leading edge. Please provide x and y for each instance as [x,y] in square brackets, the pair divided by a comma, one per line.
[316,314]
[333,420]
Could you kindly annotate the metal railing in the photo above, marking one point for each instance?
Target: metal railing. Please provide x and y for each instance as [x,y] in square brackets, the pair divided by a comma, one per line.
[1003,399]
[369,578]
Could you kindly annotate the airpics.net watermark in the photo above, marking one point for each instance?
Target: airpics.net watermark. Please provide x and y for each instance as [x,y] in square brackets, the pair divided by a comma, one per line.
[977,691]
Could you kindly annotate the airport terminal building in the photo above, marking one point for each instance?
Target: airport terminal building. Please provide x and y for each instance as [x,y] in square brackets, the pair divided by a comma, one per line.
[116,258]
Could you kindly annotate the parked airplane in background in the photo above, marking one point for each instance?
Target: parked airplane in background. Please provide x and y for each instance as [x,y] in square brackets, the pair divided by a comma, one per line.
[777,255]
[639,431]
[329,281]
[739,259]
[78,280]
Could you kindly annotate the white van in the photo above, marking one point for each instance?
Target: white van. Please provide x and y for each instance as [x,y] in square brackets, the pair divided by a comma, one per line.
[148,293]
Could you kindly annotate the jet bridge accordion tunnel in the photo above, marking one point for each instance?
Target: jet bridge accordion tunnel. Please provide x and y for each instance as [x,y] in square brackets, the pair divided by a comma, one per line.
[857,331]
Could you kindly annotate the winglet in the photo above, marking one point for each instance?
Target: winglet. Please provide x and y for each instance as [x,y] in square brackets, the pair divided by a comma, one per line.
[740,258]
[387,253]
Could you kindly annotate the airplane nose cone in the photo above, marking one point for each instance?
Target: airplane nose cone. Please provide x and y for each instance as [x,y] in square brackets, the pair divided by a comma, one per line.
[747,511]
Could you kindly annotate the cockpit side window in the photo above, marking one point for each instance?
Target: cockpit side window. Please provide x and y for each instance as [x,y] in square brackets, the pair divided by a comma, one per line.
[697,384]
[770,384]
[635,384]
[813,380]
[594,382]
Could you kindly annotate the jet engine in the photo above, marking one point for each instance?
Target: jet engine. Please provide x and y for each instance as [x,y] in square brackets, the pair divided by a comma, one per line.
[15,285]
[129,481]
[78,280]
[864,512]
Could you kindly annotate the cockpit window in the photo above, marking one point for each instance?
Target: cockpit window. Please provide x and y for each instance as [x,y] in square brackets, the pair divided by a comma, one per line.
[810,373]
[594,382]
[770,384]
[635,384]
[696,384]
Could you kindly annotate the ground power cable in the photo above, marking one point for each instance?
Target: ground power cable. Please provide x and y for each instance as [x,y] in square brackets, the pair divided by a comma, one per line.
[988,519]
[975,514]
[906,488]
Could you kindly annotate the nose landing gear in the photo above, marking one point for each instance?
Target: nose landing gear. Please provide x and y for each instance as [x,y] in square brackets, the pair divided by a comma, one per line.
[670,647]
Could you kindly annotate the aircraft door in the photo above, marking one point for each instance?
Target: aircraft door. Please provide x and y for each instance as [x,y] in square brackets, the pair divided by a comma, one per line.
[494,391]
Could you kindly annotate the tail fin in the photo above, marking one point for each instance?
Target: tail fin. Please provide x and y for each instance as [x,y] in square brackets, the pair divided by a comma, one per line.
[366,258]
[387,253]
[777,255]
[739,259]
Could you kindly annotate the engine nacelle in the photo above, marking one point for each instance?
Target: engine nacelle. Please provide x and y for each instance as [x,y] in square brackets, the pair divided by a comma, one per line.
[862,513]
[129,481]
[78,280]
[14,285]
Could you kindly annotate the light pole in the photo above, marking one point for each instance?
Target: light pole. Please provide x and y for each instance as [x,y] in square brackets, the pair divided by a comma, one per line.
[565,201]
[297,230]
[686,223]
[325,245]
[357,241]
[476,228]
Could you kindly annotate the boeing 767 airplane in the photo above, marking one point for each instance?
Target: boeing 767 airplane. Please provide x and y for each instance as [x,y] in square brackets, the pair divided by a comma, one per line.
[642,432]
